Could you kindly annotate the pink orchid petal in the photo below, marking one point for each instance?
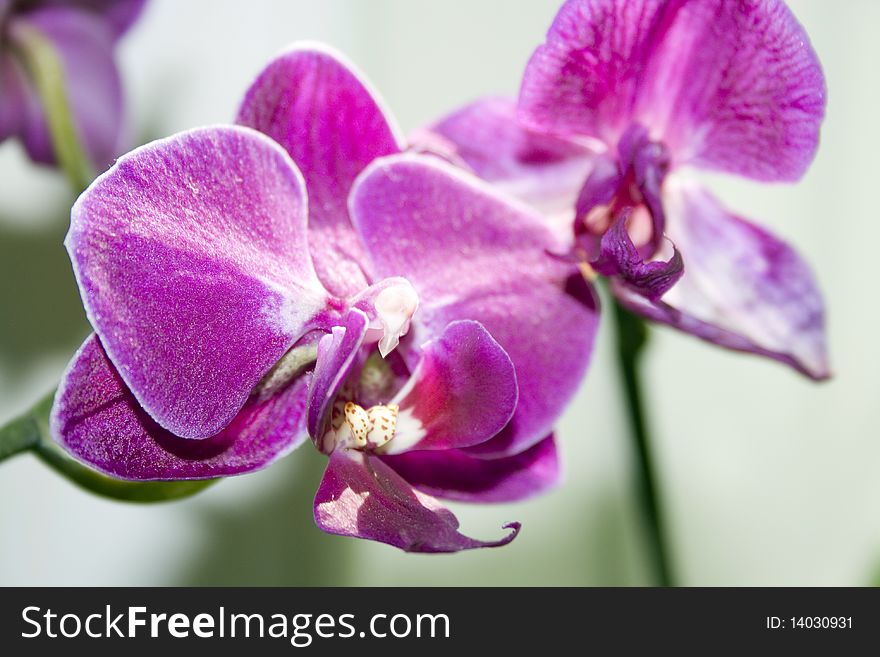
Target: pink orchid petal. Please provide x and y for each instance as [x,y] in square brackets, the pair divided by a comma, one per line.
[462,392]
[488,262]
[544,171]
[362,497]
[456,475]
[742,288]
[319,108]
[97,419]
[191,258]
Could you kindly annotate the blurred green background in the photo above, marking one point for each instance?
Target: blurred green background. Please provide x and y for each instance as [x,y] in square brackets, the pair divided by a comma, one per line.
[768,479]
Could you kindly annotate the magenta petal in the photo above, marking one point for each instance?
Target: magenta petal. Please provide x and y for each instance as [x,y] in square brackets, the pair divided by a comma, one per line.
[85,45]
[584,79]
[462,392]
[540,169]
[336,356]
[333,124]
[96,418]
[742,287]
[736,86]
[488,262]
[362,497]
[729,85]
[456,475]
[191,260]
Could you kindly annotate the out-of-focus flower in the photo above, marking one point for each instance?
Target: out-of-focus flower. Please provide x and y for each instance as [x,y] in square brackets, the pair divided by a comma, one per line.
[82,34]
[240,306]
[621,98]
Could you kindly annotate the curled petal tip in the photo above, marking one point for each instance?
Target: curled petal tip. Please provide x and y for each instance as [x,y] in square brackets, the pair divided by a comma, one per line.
[514,528]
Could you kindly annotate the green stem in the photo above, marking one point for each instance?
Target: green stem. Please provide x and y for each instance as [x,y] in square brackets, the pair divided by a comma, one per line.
[45,68]
[18,436]
[30,432]
[117,489]
[632,336]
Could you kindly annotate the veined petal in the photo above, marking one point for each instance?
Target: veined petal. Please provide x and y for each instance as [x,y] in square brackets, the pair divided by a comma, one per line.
[191,258]
[488,262]
[584,79]
[544,171]
[736,86]
[742,287]
[337,352]
[97,419]
[318,107]
[456,475]
[733,86]
[462,392]
[84,45]
[362,497]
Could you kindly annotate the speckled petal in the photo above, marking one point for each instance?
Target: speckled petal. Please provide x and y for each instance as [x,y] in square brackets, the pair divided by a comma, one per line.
[462,392]
[362,497]
[456,475]
[318,107]
[733,86]
[97,419]
[488,261]
[742,288]
[119,15]
[191,258]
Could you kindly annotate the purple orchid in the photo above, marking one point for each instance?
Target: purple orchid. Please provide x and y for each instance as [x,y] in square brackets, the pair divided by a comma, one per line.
[83,34]
[250,291]
[621,98]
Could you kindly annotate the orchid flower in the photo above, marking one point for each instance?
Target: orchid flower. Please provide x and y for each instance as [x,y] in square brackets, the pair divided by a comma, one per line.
[83,35]
[249,292]
[620,101]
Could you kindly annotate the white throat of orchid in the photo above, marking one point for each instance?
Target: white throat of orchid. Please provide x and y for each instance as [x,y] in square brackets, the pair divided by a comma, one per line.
[395,306]
[367,428]
[382,428]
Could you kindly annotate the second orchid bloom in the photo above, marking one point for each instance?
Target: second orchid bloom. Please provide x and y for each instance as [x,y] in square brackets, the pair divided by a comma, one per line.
[620,103]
